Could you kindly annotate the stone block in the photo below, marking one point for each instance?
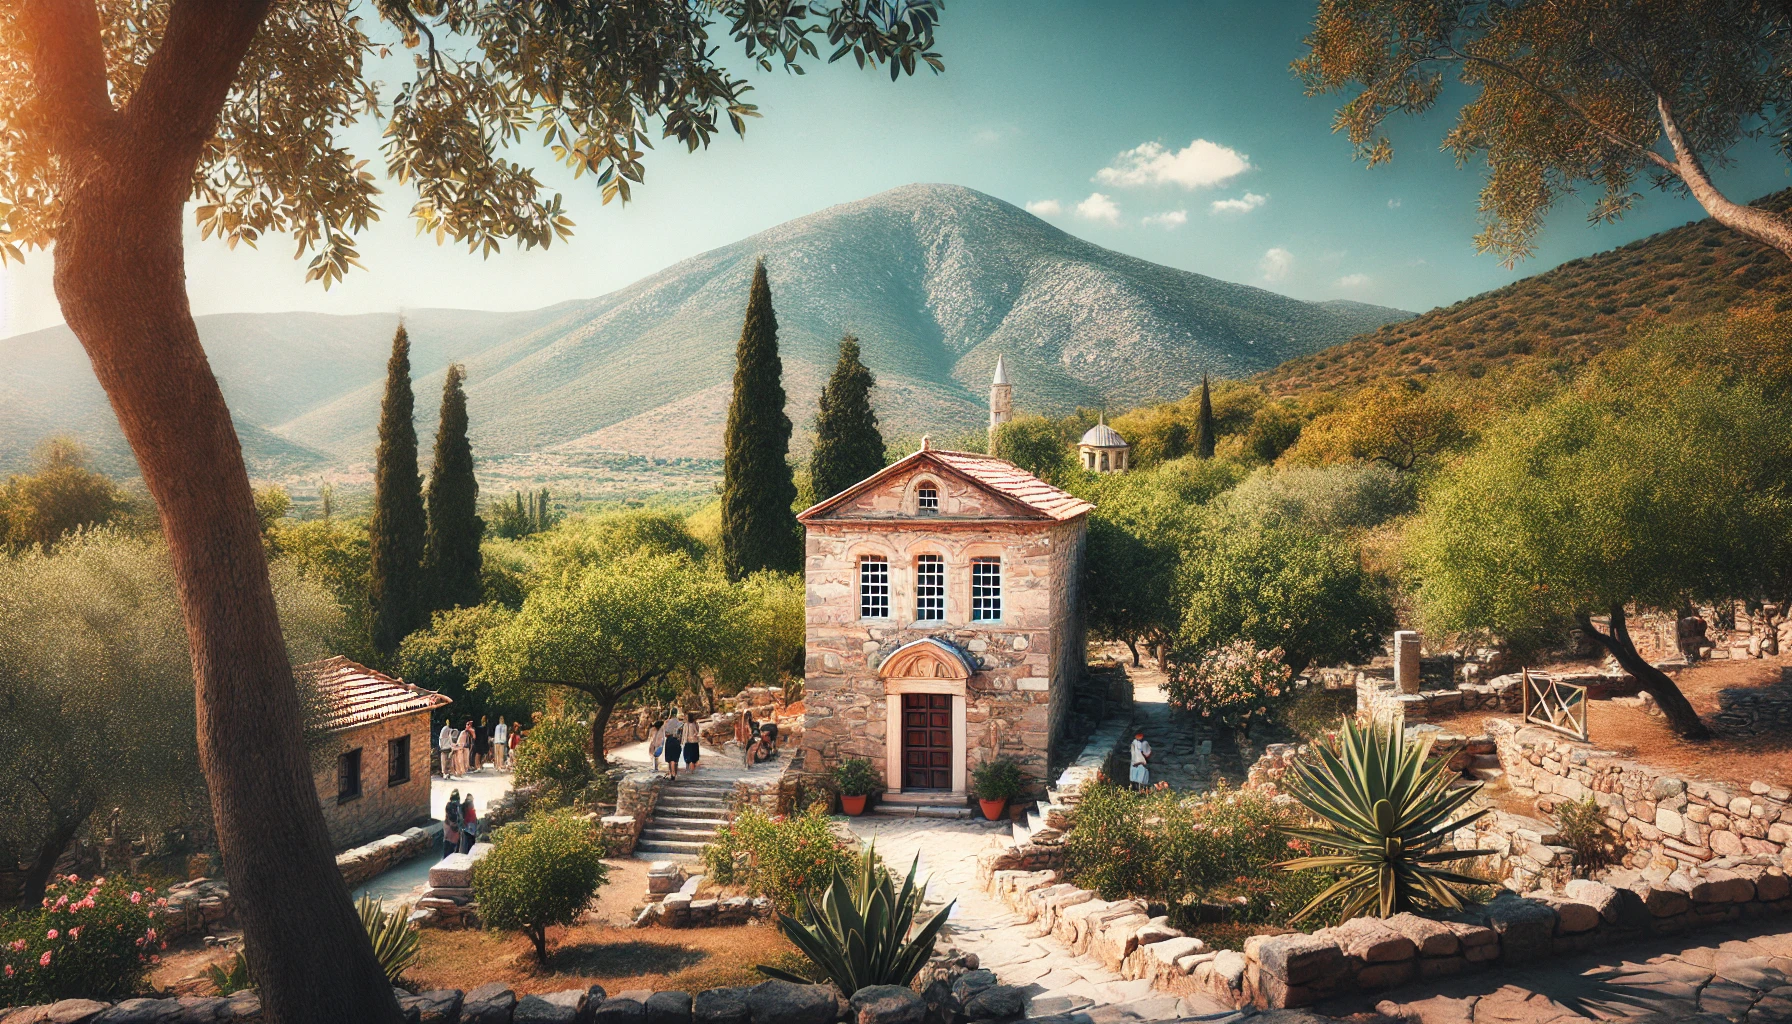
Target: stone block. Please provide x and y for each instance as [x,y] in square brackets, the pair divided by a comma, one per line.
[785,1002]
[454,871]
[669,1008]
[1385,975]
[1373,941]
[1431,938]
[1298,959]
[1526,928]
[721,1006]
[490,1003]
[1772,885]
[566,1007]
[1441,966]
[1665,900]
[887,1004]
[437,1006]
[997,1002]
[622,1008]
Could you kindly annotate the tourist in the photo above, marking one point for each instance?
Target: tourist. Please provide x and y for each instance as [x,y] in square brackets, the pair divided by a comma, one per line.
[693,736]
[516,740]
[463,749]
[500,743]
[1141,760]
[656,742]
[482,743]
[768,732]
[451,822]
[469,829]
[671,739]
[746,733]
[445,743]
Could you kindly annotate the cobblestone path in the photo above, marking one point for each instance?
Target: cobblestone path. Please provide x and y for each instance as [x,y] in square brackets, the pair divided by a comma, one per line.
[1176,737]
[1057,981]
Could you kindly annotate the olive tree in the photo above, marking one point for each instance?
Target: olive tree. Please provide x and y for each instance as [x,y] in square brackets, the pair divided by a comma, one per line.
[114,116]
[1566,92]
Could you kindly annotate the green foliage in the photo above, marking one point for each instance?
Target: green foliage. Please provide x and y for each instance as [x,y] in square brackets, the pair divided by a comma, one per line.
[525,514]
[451,556]
[759,529]
[858,932]
[557,759]
[540,872]
[333,554]
[230,977]
[62,496]
[272,503]
[1324,499]
[763,639]
[784,859]
[444,656]
[1280,587]
[1037,445]
[396,941]
[1387,816]
[997,779]
[1580,826]
[848,446]
[1237,684]
[1206,437]
[1316,712]
[1185,850]
[855,777]
[594,539]
[395,534]
[91,939]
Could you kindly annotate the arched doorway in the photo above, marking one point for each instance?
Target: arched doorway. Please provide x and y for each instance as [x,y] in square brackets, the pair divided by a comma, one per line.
[924,694]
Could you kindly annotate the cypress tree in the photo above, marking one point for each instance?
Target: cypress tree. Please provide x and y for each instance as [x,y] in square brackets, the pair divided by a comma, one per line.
[848,447]
[1204,438]
[395,534]
[451,548]
[759,529]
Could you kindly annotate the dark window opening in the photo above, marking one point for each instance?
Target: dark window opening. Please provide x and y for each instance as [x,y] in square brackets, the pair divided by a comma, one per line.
[348,776]
[398,761]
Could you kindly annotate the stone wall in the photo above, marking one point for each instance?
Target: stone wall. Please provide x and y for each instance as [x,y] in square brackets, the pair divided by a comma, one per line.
[381,808]
[637,794]
[1380,699]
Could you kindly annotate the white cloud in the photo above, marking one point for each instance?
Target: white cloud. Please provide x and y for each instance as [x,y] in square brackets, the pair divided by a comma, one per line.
[1353,281]
[1169,220]
[1276,263]
[1245,204]
[1393,204]
[1045,208]
[1098,207]
[1199,164]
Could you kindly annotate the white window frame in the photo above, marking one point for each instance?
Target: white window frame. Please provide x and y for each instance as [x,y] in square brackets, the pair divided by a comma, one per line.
[927,500]
[930,588]
[986,590]
[874,587]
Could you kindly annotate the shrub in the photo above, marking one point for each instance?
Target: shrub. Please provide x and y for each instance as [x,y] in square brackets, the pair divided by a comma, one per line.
[857,934]
[92,939]
[1237,684]
[1185,851]
[780,858]
[396,943]
[232,976]
[1582,828]
[999,779]
[540,872]
[556,759]
[1388,818]
[1316,712]
[855,777]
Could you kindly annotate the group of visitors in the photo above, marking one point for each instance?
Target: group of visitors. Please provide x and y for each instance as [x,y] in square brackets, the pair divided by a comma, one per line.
[678,738]
[758,740]
[471,748]
[460,824]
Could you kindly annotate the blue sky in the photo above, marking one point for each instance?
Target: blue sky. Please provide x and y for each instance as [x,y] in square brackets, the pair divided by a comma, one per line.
[1164,110]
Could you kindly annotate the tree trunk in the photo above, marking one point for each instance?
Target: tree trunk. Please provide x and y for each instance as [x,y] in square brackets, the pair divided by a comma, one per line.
[1679,711]
[600,723]
[120,277]
[1133,646]
[1749,221]
[37,876]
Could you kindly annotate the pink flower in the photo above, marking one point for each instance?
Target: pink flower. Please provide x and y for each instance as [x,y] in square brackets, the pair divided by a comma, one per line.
[18,946]
[136,897]
[150,935]
[9,970]
[51,934]
[44,961]
[155,959]
[75,932]
[61,901]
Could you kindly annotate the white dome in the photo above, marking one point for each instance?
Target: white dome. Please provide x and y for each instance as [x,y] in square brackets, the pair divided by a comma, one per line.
[1103,436]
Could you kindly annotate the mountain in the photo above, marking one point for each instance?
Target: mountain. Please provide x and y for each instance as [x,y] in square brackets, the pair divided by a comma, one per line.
[936,280]
[1566,315]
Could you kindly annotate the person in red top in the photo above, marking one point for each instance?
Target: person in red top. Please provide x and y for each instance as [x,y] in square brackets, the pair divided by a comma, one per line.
[469,827]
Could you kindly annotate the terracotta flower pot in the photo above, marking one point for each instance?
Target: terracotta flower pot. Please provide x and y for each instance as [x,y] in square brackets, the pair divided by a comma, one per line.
[994,810]
[853,805]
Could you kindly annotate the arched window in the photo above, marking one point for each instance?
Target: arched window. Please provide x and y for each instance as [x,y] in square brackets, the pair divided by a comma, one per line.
[927,500]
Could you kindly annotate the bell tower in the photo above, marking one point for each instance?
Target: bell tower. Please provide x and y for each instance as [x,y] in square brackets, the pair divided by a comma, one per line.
[1001,402]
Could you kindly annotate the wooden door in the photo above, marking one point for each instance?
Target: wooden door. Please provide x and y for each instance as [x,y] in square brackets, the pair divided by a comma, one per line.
[926,741]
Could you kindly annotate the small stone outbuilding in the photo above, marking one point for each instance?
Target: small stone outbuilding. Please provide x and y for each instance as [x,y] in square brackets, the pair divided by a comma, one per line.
[372,761]
[943,621]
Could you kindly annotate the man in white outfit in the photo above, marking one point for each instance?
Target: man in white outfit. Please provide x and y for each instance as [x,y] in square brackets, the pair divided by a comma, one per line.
[1141,760]
[500,743]
[445,743]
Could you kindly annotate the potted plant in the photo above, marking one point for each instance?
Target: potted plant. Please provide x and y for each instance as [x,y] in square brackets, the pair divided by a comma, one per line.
[997,783]
[857,781]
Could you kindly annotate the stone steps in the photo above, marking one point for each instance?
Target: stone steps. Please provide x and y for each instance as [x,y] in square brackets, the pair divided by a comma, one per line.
[919,811]
[685,820]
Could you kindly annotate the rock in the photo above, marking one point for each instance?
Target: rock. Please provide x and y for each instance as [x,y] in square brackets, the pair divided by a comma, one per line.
[1772,885]
[454,871]
[437,1006]
[972,983]
[68,1011]
[669,1008]
[1157,930]
[784,1002]
[621,1008]
[138,1011]
[490,1003]
[1373,941]
[997,1002]
[566,1007]
[1431,938]
[887,1004]
[721,1006]
[1526,928]
[1665,901]
[942,1008]
[1298,959]
[1230,965]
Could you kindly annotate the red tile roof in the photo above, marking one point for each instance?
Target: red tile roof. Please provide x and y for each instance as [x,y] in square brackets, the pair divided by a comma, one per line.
[998,475]
[356,695]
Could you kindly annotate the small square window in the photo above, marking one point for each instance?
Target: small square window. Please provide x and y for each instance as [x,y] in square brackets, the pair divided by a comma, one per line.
[874,588]
[986,589]
[398,761]
[927,499]
[930,588]
[348,776]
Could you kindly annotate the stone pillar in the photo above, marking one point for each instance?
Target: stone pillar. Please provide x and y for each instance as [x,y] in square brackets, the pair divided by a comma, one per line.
[1406,660]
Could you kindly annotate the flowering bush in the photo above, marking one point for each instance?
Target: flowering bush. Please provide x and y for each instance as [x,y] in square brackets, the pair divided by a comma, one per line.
[93,938]
[781,858]
[1237,685]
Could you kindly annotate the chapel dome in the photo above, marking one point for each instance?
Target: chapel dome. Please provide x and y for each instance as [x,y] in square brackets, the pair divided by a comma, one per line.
[1103,436]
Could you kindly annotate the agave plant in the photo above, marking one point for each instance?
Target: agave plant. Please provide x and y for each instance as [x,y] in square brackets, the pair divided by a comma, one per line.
[1388,813]
[231,976]
[395,940]
[857,935]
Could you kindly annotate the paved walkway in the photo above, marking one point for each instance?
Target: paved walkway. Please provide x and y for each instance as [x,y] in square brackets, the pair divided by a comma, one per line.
[1056,980]
[1739,972]
[1177,737]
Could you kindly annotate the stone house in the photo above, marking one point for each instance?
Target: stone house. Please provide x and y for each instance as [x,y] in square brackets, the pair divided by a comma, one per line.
[371,762]
[943,625]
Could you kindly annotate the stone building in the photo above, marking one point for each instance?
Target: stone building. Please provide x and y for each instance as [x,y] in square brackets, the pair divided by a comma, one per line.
[1102,449]
[372,762]
[943,626]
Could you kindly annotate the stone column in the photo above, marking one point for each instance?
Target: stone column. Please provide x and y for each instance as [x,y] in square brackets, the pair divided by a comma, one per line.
[1406,660]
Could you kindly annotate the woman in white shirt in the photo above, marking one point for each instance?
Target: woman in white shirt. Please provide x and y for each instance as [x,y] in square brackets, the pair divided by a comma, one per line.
[1141,760]
[500,743]
[693,736]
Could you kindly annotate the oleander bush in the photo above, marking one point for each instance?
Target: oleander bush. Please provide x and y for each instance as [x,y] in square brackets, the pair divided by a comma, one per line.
[783,858]
[92,938]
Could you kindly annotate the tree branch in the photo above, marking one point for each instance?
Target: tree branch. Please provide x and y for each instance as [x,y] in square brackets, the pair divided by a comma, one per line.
[68,64]
[1760,225]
